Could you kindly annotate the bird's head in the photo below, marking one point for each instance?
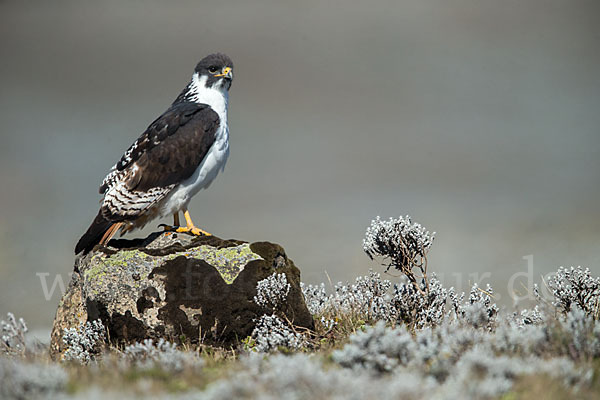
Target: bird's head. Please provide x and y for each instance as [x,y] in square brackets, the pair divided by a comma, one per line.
[215,71]
[211,81]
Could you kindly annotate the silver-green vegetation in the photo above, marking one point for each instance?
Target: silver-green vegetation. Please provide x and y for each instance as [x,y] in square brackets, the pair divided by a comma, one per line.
[373,339]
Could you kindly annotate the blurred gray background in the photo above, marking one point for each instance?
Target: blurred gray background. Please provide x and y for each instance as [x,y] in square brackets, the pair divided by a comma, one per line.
[479,118]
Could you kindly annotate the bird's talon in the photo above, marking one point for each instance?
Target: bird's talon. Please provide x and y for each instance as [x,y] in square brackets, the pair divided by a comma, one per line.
[168,229]
[200,232]
[193,231]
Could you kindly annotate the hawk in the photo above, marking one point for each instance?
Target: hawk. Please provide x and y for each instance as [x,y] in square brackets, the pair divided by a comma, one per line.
[181,152]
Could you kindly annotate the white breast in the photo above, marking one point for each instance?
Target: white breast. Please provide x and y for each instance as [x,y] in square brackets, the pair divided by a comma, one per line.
[215,159]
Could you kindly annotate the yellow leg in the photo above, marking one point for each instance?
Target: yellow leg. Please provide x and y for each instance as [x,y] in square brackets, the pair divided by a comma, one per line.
[191,228]
[176,219]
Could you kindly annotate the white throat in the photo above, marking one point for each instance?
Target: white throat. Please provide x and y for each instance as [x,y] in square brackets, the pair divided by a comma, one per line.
[216,96]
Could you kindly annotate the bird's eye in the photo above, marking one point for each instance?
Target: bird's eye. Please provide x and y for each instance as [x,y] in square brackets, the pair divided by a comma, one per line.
[213,69]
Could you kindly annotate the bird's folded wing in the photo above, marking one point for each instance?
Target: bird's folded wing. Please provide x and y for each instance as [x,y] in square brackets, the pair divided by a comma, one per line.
[167,153]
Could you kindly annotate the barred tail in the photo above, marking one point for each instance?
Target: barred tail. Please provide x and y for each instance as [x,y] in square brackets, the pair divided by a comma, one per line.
[100,232]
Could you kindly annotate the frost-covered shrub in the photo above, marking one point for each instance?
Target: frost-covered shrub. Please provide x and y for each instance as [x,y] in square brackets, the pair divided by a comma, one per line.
[418,310]
[462,361]
[584,333]
[302,376]
[162,355]
[13,334]
[271,333]
[479,311]
[439,348]
[367,298]
[404,243]
[449,361]
[531,317]
[481,374]
[272,291]
[432,351]
[377,349]
[513,339]
[476,374]
[576,286]
[409,304]
[85,343]
[576,335]
[316,298]
[20,380]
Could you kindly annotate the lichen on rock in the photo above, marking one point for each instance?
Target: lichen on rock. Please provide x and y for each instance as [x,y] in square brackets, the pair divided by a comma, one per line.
[176,287]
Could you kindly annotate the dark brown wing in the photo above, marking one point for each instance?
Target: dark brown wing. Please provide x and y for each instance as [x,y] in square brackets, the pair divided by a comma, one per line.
[169,151]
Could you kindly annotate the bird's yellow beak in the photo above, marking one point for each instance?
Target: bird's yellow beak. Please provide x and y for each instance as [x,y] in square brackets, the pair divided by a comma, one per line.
[226,72]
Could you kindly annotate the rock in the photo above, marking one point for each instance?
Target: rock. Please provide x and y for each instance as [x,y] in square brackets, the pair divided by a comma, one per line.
[175,286]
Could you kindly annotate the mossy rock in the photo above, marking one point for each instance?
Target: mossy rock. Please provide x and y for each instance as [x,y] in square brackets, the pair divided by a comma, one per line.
[175,286]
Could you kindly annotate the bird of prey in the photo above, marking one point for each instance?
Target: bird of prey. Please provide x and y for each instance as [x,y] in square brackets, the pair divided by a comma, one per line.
[180,153]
